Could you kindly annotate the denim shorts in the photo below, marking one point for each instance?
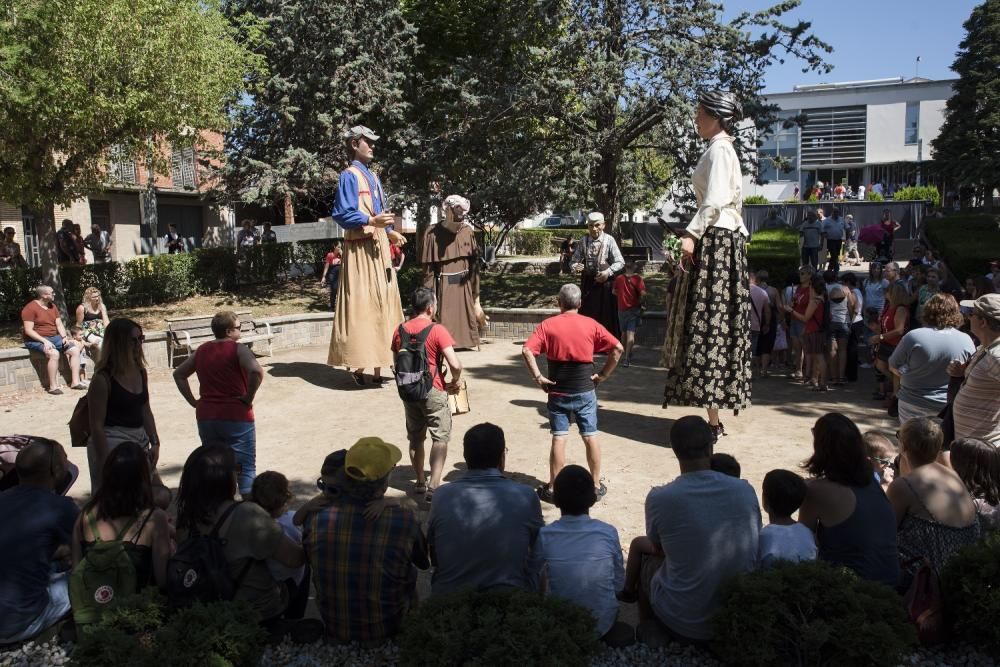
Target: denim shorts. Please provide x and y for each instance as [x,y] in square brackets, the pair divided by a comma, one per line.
[242,437]
[840,331]
[580,407]
[628,320]
[57,342]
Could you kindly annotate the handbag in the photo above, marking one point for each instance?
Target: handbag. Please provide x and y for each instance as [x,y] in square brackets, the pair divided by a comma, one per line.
[79,423]
[925,604]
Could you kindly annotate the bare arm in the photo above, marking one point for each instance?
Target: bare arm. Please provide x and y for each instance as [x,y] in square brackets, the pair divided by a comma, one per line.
[79,315]
[609,364]
[161,546]
[149,424]
[97,404]
[181,375]
[75,547]
[104,315]
[454,365]
[529,360]
[899,498]
[809,511]
[255,374]
[29,332]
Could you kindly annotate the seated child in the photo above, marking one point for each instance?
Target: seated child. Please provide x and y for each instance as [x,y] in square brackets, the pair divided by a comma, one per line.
[582,557]
[784,538]
[977,463]
[270,491]
[884,456]
[726,464]
[76,332]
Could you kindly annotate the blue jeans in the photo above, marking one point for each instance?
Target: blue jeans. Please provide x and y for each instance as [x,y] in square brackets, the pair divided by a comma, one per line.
[563,407]
[242,437]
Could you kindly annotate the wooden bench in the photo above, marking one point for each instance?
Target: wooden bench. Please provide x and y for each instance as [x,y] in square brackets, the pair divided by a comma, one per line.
[185,334]
[639,253]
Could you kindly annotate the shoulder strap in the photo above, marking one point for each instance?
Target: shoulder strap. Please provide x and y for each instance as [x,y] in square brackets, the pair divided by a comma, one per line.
[125,529]
[919,499]
[142,526]
[222,519]
[92,522]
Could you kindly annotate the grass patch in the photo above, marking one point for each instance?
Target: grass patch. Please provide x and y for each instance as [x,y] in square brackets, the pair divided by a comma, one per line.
[776,250]
[966,242]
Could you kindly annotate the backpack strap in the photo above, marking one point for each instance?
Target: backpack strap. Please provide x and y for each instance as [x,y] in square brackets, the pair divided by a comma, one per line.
[142,526]
[222,519]
[92,522]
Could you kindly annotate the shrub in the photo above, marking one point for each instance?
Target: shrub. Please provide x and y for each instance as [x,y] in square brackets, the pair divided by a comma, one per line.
[776,250]
[919,193]
[755,199]
[874,196]
[139,633]
[215,269]
[971,584]
[16,287]
[810,613]
[534,242]
[498,628]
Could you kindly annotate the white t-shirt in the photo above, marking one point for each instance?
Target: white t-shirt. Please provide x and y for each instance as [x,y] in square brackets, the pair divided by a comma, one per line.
[794,542]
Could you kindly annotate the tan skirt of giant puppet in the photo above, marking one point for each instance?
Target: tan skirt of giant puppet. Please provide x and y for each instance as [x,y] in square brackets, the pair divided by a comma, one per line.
[368,306]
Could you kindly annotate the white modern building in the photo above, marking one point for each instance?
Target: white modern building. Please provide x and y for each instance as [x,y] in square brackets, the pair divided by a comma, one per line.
[855,133]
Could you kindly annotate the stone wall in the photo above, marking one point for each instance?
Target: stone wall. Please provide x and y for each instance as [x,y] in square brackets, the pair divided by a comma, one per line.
[19,374]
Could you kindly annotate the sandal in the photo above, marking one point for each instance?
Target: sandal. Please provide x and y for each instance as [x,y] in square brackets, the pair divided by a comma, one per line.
[359,378]
[601,491]
[55,392]
[419,488]
[717,430]
[429,496]
[545,493]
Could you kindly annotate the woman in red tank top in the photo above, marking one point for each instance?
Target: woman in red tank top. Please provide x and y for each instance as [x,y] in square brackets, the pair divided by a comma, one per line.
[814,340]
[228,379]
[894,320]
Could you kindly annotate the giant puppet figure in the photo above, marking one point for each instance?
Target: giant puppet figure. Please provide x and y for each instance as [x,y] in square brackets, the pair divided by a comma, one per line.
[368,304]
[707,347]
[450,260]
[598,259]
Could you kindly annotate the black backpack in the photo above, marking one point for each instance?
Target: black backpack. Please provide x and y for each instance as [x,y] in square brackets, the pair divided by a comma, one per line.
[413,372]
[198,570]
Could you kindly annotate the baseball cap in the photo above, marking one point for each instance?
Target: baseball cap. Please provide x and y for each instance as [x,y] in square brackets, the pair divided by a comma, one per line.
[359,131]
[987,304]
[371,459]
[596,216]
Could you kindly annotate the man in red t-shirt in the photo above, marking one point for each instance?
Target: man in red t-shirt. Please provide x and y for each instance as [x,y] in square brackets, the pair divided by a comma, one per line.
[433,413]
[569,342]
[630,291]
[43,331]
[331,273]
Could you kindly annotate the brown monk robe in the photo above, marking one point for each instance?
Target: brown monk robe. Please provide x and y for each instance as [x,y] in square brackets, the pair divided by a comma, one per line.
[451,267]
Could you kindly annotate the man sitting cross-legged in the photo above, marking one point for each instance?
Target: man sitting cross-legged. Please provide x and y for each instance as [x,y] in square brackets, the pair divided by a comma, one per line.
[363,551]
[483,526]
[702,529]
[34,543]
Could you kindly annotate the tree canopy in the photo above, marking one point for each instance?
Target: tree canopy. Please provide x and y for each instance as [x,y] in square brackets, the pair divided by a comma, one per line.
[968,146]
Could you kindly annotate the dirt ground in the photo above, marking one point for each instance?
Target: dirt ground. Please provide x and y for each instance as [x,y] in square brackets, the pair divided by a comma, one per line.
[306,409]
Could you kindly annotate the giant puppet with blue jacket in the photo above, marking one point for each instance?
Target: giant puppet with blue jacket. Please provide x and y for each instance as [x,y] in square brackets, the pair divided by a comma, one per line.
[368,304]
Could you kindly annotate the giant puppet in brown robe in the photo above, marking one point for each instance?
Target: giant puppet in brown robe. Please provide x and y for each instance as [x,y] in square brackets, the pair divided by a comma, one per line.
[451,267]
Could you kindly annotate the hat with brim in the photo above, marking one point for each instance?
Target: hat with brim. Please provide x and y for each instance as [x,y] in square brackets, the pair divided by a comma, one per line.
[371,459]
[596,216]
[988,305]
[359,131]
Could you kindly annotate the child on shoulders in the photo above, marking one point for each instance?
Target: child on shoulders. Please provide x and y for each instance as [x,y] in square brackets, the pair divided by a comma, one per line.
[784,538]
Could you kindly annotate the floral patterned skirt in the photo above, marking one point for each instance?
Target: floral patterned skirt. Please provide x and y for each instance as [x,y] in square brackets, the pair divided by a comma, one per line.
[707,348]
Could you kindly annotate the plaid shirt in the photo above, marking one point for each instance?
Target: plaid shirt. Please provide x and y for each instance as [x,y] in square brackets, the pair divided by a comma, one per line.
[364,570]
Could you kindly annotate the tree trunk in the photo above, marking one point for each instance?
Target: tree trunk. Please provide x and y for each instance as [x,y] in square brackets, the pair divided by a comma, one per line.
[605,187]
[423,218]
[988,197]
[289,209]
[45,231]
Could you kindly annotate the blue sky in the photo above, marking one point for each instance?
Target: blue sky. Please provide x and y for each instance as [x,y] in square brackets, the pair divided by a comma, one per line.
[873,39]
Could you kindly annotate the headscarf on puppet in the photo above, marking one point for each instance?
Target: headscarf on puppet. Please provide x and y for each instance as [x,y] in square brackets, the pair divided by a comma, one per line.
[453,222]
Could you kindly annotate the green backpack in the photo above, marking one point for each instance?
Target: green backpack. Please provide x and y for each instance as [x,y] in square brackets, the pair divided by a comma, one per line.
[103,577]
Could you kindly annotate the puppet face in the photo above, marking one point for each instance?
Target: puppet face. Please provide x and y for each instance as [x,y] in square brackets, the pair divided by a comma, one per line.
[596,228]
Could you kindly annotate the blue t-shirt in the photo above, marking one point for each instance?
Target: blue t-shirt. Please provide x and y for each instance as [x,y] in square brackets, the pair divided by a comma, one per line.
[35,523]
[834,228]
[810,232]
[922,358]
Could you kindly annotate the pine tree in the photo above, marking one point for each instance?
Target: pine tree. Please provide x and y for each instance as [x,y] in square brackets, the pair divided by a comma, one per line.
[330,66]
[968,147]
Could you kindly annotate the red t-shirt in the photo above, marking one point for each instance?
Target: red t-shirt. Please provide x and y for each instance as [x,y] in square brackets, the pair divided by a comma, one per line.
[222,381]
[44,318]
[815,323]
[437,341]
[570,337]
[332,258]
[801,299]
[628,291]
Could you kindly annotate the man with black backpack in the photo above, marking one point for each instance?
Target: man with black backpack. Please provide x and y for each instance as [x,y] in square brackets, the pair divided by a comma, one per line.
[419,345]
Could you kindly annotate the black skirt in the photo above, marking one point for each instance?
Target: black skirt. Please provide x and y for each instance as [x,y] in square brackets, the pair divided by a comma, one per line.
[599,303]
[707,351]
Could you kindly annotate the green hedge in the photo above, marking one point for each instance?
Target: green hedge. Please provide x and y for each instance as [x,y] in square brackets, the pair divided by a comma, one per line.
[144,281]
[971,584]
[536,242]
[755,199]
[966,242]
[919,193]
[776,250]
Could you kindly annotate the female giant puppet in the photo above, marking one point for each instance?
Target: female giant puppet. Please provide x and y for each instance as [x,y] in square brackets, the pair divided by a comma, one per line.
[707,347]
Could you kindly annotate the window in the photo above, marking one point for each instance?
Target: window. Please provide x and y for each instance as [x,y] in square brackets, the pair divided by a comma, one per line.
[778,155]
[121,166]
[100,213]
[912,134]
[182,167]
[834,135]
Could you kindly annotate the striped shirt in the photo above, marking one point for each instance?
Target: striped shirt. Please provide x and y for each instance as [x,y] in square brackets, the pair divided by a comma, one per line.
[364,570]
[977,405]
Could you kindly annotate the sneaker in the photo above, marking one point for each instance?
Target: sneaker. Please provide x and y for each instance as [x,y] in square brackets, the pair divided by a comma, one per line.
[865,366]
[82,384]
[55,392]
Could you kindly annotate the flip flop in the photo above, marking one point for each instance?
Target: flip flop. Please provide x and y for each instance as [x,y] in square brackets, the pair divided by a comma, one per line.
[419,488]
[601,491]
[429,496]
